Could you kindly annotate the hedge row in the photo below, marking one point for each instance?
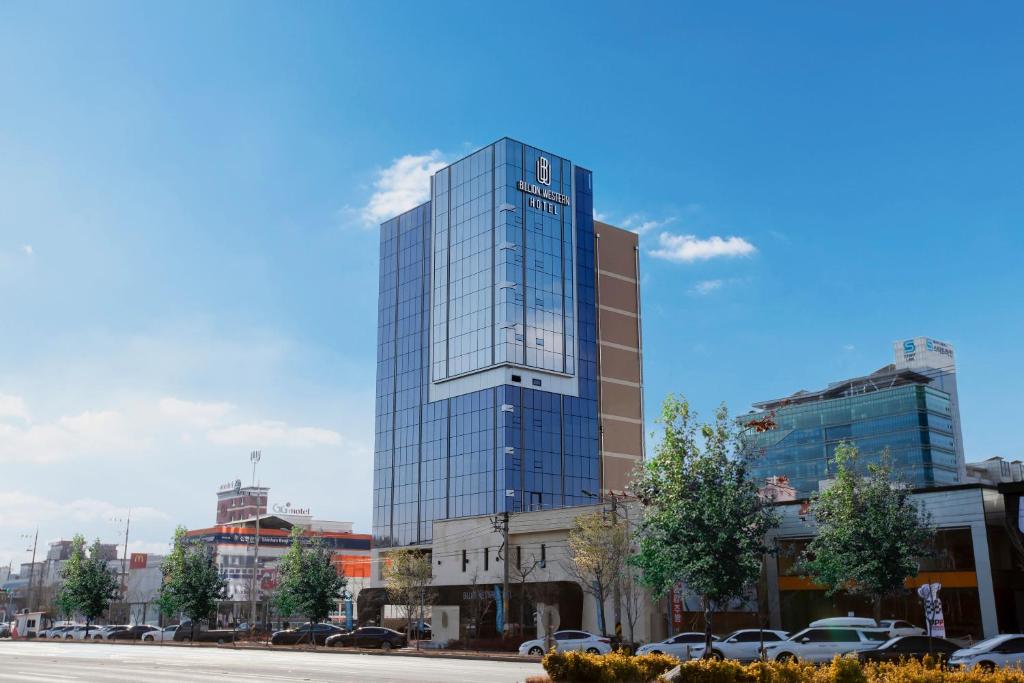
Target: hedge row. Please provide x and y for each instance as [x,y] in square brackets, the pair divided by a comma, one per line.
[616,667]
[840,670]
[580,667]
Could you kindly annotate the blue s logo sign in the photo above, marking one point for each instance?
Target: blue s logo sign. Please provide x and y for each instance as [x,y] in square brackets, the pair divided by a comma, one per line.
[908,346]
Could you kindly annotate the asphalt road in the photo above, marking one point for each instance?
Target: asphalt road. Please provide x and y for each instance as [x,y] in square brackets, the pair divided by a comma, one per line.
[61,662]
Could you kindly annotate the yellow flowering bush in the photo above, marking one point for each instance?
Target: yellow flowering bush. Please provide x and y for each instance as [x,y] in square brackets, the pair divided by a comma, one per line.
[616,667]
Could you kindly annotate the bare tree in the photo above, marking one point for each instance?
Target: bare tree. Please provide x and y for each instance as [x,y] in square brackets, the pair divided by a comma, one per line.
[480,603]
[521,573]
[633,595]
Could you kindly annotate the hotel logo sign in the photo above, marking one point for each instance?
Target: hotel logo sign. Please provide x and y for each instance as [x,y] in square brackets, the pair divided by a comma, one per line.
[543,171]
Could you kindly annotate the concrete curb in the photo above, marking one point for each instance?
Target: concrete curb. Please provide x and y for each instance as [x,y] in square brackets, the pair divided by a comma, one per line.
[244,645]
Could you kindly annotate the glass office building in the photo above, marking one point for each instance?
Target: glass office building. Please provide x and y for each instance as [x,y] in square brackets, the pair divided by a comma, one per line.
[894,410]
[488,396]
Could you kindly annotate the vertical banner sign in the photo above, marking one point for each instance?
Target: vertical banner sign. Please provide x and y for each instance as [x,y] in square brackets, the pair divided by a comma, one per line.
[499,610]
[929,594]
[678,596]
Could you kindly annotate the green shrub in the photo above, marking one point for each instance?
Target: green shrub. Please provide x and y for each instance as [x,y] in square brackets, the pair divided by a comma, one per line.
[840,670]
[617,667]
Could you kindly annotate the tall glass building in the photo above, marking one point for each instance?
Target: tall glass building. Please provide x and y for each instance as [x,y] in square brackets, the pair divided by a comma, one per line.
[504,382]
[892,409]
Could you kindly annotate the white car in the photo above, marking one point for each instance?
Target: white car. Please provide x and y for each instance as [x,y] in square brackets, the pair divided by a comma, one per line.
[103,632]
[569,640]
[161,635]
[1004,650]
[680,645]
[820,645]
[743,645]
[859,622]
[78,632]
[898,627]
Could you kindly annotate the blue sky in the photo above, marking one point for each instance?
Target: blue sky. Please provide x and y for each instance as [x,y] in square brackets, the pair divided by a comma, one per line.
[187,196]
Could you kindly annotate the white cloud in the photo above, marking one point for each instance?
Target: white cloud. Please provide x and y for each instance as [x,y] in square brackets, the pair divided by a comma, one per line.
[27,248]
[25,510]
[705,287]
[198,413]
[598,216]
[849,347]
[13,406]
[641,225]
[401,186]
[270,432]
[688,248]
[99,432]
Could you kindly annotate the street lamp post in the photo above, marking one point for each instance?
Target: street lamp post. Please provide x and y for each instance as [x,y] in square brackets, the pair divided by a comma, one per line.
[32,570]
[254,457]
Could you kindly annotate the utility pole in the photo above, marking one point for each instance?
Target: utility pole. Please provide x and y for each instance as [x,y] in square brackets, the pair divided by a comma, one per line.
[255,457]
[124,562]
[504,586]
[32,571]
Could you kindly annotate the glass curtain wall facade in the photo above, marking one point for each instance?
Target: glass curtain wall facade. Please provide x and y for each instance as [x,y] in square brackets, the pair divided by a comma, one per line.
[914,422]
[496,271]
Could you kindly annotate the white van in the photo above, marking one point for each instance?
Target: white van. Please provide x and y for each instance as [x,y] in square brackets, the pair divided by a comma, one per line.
[819,645]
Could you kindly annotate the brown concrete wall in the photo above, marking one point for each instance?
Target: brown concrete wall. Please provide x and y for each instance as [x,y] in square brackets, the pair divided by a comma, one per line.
[620,364]
[617,288]
[618,328]
[616,473]
[617,293]
[623,437]
[618,249]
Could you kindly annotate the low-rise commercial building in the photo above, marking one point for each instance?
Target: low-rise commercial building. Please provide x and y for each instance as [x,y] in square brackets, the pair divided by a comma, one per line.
[248,550]
[975,561]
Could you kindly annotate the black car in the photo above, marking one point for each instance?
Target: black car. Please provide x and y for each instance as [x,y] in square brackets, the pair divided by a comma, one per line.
[369,636]
[909,647]
[302,634]
[132,632]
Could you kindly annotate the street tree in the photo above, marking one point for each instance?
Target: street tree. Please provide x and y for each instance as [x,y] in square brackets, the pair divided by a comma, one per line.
[521,572]
[192,585]
[871,534]
[704,520]
[481,602]
[308,582]
[88,585]
[598,548]
[407,575]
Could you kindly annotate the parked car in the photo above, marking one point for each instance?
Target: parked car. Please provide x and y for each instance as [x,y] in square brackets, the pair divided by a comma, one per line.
[909,647]
[132,632]
[898,627]
[57,632]
[303,634]
[820,645]
[1004,650]
[859,622]
[570,640]
[188,632]
[78,632]
[680,645]
[160,635]
[743,645]
[369,636]
[5,630]
[104,632]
